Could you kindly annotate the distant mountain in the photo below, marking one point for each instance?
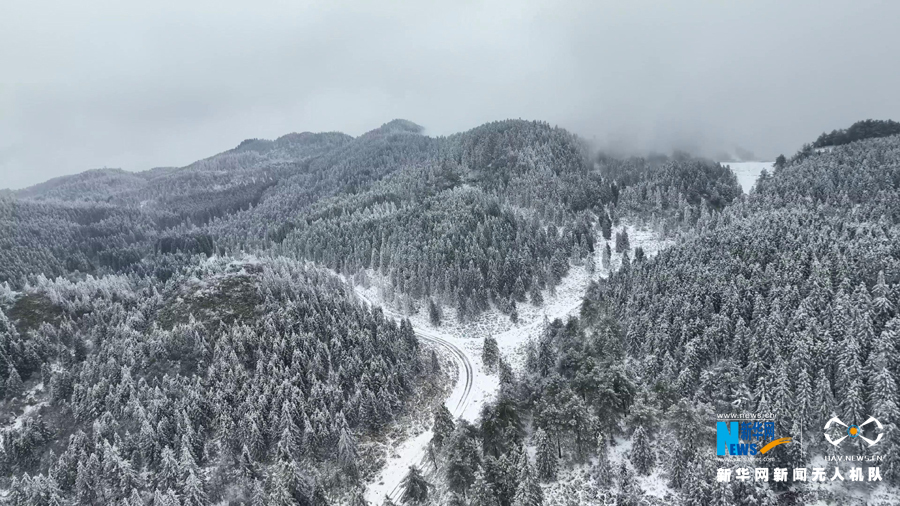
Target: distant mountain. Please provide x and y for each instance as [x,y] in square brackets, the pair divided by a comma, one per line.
[99,185]
[516,198]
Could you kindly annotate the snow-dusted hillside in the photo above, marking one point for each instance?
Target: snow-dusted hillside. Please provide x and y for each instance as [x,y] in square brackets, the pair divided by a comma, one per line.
[747,172]
[467,338]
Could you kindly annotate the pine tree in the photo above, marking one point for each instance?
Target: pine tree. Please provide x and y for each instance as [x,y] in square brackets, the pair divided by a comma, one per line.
[135,498]
[823,399]
[699,492]
[347,453]
[190,483]
[603,472]
[642,456]
[87,484]
[851,374]
[722,495]
[886,406]
[434,313]
[415,488]
[461,458]
[629,492]
[535,295]
[882,306]
[483,492]
[258,496]
[167,478]
[546,459]
[529,491]
[607,257]
[281,492]
[490,354]
[14,386]
[443,426]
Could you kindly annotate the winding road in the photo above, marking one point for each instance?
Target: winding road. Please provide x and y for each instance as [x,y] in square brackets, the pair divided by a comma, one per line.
[414,450]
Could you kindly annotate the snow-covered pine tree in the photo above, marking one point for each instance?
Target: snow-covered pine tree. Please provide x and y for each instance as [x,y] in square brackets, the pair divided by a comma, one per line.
[483,493]
[14,385]
[603,472]
[642,457]
[346,449]
[442,427]
[546,460]
[886,406]
[490,354]
[415,487]
[722,495]
[529,491]
[434,313]
[461,457]
[630,492]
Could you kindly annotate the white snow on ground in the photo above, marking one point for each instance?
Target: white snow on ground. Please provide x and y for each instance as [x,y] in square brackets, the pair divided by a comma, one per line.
[473,388]
[747,172]
[511,338]
[26,413]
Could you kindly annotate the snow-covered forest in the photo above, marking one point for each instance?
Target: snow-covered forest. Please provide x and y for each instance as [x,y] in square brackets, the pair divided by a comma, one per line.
[196,335]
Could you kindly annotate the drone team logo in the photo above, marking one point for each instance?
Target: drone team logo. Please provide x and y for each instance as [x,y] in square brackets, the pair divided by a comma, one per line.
[854,431]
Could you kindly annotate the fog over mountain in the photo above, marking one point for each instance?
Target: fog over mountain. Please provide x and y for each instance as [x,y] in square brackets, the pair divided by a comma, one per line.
[101,83]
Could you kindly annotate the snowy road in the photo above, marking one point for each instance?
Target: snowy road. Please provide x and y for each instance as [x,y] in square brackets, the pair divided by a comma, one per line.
[414,451]
[474,386]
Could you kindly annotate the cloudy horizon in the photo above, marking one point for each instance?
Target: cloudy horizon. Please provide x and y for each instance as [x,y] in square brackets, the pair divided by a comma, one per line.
[100,84]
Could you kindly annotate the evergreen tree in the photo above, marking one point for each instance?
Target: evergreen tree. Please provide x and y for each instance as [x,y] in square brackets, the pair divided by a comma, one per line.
[14,386]
[434,313]
[461,458]
[490,354]
[722,495]
[630,493]
[442,427]
[642,457]
[483,493]
[537,299]
[607,257]
[622,242]
[415,488]
[546,460]
[603,472]
[886,406]
[347,453]
[528,492]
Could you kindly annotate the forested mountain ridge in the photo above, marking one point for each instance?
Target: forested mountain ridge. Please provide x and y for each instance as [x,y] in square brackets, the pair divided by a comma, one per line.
[785,302]
[866,129]
[283,195]
[232,380]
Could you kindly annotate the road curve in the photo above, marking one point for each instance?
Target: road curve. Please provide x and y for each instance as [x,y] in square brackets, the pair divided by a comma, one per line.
[415,450]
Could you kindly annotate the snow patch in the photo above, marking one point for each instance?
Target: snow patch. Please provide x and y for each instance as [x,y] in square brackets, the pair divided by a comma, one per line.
[748,172]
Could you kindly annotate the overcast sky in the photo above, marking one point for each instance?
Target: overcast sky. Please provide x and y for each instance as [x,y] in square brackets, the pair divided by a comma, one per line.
[137,85]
